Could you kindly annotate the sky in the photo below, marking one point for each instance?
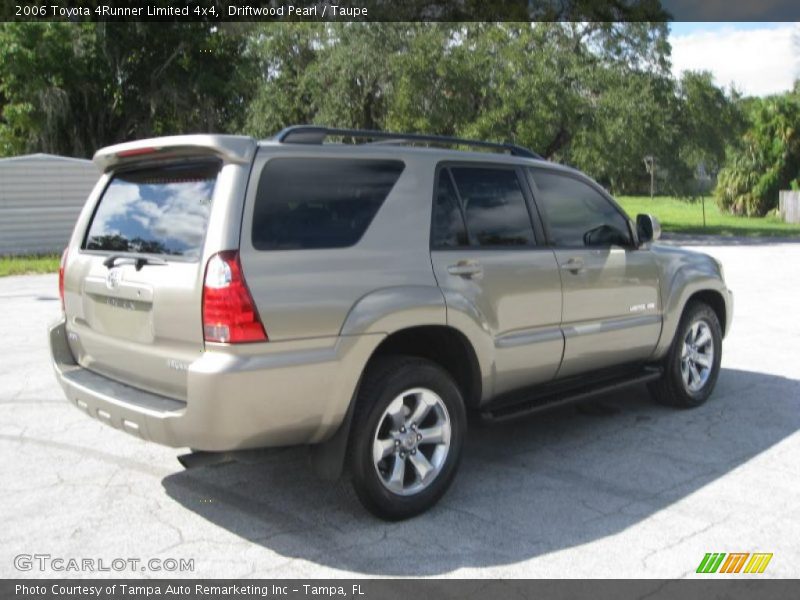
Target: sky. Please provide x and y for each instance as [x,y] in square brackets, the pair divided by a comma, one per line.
[758,58]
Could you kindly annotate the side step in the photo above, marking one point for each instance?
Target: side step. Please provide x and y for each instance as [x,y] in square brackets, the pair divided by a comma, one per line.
[553,399]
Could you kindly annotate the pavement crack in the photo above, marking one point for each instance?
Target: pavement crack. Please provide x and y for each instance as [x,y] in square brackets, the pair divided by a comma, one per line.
[681,540]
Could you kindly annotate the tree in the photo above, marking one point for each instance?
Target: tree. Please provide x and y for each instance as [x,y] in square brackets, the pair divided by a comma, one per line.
[710,120]
[73,87]
[767,158]
[595,94]
[284,93]
[559,88]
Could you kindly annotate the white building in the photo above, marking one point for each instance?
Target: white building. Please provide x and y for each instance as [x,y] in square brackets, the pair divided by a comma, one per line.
[41,196]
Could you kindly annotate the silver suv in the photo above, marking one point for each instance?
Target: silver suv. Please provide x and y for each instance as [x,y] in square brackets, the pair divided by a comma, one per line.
[222,293]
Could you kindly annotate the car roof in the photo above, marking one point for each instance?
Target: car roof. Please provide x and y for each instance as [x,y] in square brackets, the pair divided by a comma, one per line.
[404,150]
[240,149]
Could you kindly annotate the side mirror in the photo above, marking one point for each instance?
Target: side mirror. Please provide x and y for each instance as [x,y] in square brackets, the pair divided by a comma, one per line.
[647,228]
[605,236]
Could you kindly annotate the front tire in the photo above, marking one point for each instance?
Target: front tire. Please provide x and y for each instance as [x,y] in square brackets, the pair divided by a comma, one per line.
[691,367]
[407,436]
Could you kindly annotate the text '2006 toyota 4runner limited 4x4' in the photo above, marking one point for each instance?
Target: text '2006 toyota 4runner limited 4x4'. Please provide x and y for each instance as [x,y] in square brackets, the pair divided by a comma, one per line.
[221,294]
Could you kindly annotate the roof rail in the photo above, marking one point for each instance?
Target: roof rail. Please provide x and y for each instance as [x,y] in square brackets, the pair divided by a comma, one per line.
[314,134]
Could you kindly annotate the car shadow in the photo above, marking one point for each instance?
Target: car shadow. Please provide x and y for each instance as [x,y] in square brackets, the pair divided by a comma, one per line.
[524,488]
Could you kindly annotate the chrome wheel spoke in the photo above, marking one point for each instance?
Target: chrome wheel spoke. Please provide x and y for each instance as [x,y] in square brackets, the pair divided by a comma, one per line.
[421,465]
[695,373]
[381,449]
[424,405]
[703,361]
[703,338]
[398,474]
[434,435]
[685,372]
[397,413]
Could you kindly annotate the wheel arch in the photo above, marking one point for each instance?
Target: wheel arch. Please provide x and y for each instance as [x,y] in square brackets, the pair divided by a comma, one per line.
[715,300]
[443,345]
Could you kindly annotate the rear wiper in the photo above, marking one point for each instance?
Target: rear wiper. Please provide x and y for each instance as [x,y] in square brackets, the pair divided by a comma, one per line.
[137,261]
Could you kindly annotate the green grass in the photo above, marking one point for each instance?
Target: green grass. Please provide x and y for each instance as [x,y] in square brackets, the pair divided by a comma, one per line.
[682,216]
[26,265]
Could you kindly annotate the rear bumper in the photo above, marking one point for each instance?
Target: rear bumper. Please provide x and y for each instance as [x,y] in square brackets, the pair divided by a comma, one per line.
[292,393]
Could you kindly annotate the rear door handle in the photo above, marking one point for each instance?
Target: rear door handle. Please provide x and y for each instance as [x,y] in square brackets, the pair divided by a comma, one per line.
[573,265]
[466,268]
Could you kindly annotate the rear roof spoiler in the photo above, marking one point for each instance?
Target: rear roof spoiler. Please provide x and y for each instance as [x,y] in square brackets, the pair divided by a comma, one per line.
[231,148]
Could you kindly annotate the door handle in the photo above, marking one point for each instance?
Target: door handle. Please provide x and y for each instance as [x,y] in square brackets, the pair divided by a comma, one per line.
[466,269]
[573,265]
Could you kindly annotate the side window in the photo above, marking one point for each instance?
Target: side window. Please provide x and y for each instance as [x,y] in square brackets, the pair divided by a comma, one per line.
[577,214]
[494,206]
[448,230]
[319,202]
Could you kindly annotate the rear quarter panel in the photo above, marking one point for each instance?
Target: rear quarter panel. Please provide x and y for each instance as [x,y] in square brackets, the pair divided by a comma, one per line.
[312,292]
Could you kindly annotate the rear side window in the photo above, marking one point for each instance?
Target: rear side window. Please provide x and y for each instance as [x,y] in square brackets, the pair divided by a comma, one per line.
[494,206]
[159,210]
[319,202]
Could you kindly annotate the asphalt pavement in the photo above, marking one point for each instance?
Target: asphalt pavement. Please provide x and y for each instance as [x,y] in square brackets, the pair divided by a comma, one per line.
[625,488]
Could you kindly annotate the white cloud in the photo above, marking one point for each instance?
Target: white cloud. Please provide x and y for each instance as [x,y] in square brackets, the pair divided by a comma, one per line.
[758,62]
[181,215]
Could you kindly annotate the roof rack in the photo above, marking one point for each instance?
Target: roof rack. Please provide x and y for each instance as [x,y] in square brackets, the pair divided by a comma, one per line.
[314,134]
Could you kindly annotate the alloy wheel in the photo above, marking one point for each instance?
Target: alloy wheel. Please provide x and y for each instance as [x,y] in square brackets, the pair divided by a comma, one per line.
[697,356]
[412,441]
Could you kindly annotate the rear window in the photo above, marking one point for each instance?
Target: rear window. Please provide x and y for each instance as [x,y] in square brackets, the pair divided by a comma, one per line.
[159,210]
[319,202]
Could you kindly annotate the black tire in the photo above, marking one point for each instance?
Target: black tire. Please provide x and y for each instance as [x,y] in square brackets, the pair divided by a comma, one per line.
[385,380]
[671,389]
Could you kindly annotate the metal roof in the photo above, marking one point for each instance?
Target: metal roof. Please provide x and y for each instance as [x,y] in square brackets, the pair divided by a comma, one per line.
[43,156]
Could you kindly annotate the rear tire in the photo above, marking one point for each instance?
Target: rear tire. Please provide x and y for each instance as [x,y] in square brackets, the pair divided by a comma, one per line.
[691,367]
[407,437]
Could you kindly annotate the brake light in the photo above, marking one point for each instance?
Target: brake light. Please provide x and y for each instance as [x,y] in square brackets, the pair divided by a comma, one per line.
[61,277]
[229,313]
[135,152]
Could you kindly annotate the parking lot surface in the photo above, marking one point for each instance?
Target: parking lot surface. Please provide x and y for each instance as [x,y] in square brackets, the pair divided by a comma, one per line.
[620,488]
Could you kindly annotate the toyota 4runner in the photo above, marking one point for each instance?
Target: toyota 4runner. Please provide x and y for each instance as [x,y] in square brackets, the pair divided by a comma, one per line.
[222,293]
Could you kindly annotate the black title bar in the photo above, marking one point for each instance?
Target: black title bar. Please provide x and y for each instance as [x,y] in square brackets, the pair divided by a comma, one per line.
[399,589]
[400,10]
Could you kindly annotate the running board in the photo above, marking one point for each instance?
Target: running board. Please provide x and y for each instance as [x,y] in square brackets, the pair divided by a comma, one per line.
[550,400]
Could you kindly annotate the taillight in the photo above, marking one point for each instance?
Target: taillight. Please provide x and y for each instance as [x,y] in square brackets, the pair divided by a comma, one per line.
[61,277]
[229,313]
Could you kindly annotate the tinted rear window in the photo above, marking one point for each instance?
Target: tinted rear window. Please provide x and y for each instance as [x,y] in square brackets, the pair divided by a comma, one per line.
[160,210]
[319,202]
